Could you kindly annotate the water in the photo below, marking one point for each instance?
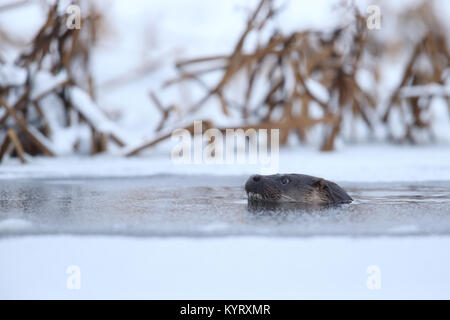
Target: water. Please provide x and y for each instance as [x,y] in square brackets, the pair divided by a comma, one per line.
[212,206]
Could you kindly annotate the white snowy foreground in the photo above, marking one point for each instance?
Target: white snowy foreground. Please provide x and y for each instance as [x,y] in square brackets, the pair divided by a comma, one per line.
[225,268]
[234,267]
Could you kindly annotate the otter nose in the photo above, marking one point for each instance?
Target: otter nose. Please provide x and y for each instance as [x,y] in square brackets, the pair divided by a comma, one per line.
[254,183]
[256,178]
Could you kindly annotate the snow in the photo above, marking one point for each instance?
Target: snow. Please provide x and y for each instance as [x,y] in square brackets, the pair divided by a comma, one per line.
[432,89]
[14,225]
[11,75]
[364,163]
[42,139]
[318,90]
[84,104]
[225,268]
[44,82]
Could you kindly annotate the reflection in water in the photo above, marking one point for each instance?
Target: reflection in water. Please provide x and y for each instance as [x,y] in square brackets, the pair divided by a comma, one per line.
[274,208]
[207,205]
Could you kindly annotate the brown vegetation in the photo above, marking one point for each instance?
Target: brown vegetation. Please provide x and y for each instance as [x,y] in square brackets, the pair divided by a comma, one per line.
[60,50]
[291,65]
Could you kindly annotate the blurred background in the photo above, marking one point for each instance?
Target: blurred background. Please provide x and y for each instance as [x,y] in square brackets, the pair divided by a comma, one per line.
[328,74]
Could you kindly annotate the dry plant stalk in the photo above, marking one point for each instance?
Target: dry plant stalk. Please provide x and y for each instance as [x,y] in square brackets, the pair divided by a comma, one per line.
[427,66]
[330,60]
[302,56]
[58,50]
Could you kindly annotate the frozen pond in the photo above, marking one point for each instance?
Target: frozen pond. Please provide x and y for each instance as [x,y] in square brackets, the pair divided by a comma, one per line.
[174,205]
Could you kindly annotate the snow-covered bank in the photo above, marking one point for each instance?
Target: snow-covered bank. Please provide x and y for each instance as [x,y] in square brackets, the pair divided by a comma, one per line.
[256,268]
[374,163]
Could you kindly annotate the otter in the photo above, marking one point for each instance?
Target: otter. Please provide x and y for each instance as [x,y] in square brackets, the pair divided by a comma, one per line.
[295,188]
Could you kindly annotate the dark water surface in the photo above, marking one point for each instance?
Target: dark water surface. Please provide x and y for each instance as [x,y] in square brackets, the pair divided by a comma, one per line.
[212,206]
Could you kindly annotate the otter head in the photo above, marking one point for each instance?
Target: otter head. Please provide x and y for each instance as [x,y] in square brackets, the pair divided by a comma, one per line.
[296,188]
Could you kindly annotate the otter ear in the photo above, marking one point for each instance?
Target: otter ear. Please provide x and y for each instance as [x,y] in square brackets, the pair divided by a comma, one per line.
[320,184]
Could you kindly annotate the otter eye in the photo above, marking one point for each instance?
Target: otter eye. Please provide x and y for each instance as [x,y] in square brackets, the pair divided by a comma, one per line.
[285,180]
